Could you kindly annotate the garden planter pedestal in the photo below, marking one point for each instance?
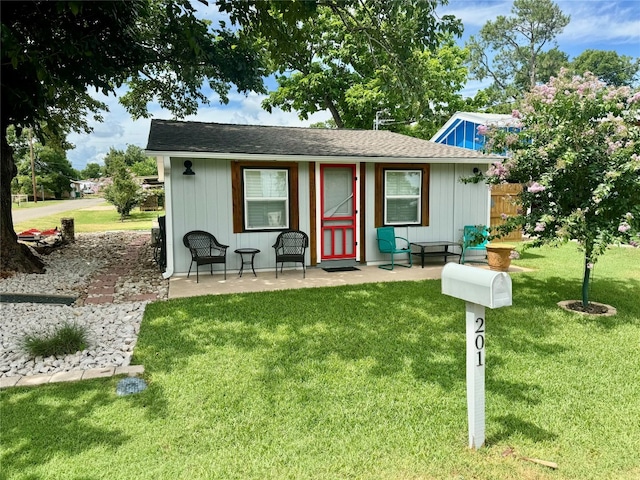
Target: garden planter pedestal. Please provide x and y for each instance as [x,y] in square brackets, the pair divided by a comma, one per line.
[499,257]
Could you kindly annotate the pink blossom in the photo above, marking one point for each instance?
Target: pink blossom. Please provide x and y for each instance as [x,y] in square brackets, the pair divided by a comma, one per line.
[498,169]
[516,114]
[613,146]
[511,139]
[540,226]
[635,98]
[504,216]
[482,129]
[624,227]
[535,187]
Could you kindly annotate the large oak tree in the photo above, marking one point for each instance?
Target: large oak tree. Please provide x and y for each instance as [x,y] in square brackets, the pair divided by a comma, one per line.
[53,52]
[397,58]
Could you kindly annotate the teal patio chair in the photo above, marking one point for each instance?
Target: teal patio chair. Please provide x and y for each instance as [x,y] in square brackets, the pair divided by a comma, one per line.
[474,238]
[387,244]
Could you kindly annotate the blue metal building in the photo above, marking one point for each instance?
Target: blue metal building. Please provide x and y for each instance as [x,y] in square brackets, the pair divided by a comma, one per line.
[461,130]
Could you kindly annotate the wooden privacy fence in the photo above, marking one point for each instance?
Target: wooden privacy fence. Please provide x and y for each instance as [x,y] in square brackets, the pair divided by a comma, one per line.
[504,200]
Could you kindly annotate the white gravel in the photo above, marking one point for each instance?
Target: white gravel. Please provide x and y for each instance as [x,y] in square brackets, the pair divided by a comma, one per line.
[113,327]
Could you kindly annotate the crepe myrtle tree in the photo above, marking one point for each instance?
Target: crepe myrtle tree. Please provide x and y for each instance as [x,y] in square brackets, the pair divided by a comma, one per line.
[577,153]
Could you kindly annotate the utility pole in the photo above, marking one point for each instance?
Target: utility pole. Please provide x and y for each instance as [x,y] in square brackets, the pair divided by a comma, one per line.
[33,168]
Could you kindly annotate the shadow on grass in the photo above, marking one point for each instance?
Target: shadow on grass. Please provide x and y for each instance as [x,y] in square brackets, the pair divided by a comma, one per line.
[297,326]
[55,419]
[389,326]
[545,293]
[511,425]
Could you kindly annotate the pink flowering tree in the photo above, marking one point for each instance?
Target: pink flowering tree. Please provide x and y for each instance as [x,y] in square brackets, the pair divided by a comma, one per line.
[578,156]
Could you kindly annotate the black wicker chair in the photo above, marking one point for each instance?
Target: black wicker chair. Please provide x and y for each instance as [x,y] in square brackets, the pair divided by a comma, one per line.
[290,246]
[205,250]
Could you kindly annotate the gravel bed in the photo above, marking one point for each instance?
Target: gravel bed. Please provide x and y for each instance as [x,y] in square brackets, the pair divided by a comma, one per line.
[113,327]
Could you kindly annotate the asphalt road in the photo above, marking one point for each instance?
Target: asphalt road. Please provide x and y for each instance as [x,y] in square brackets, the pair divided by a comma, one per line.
[26,214]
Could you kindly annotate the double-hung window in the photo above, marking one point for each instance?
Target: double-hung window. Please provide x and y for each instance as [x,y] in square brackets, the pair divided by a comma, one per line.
[402,194]
[266,198]
[402,197]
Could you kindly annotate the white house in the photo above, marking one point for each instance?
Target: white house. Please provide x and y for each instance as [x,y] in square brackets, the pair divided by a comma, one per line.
[245,184]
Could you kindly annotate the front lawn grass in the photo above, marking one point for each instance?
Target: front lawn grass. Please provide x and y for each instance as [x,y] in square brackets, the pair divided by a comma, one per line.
[363,382]
[94,220]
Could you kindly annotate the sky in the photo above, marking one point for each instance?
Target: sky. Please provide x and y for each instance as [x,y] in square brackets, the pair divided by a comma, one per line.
[595,24]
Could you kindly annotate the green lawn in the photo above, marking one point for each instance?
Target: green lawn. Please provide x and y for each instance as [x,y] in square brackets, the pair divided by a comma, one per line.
[38,204]
[355,382]
[93,220]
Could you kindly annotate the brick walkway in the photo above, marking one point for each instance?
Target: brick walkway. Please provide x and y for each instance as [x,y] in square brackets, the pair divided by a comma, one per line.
[103,288]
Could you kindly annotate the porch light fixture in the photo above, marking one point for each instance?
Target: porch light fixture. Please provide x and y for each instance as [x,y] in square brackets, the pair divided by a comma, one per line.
[187,168]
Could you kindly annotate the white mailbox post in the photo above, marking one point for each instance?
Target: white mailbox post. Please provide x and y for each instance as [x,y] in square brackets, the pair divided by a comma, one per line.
[479,288]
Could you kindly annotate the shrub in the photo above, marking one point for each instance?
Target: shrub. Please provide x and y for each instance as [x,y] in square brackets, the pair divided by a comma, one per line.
[67,338]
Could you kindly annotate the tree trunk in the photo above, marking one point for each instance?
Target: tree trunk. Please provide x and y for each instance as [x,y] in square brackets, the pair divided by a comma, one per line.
[585,280]
[334,112]
[14,256]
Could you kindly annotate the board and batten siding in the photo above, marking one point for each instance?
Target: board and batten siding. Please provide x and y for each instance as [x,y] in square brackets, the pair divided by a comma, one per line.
[452,205]
[204,202]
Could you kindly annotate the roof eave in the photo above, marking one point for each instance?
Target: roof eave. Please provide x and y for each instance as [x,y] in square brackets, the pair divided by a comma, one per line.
[483,159]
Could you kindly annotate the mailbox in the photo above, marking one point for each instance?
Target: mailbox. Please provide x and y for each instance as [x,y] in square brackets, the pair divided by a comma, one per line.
[476,285]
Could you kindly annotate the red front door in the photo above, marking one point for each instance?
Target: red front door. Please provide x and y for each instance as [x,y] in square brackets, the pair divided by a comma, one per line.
[338,217]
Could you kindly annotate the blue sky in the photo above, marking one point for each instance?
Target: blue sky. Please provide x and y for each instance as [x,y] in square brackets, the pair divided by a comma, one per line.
[595,24]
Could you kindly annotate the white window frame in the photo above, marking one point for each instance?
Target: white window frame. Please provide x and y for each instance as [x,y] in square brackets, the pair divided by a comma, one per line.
[246,199]
[417,197]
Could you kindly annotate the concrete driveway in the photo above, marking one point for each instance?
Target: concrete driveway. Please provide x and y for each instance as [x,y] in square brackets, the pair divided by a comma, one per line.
[24,215]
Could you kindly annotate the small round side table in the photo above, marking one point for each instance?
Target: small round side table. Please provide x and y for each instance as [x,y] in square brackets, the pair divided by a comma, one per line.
[245,260]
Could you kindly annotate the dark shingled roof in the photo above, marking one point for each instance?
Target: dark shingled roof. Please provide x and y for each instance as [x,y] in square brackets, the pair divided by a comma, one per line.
[175,136]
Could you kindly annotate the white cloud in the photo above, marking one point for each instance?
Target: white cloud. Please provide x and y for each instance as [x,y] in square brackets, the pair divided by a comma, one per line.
[119,130]
[602,22]
[475,14]
[596,24]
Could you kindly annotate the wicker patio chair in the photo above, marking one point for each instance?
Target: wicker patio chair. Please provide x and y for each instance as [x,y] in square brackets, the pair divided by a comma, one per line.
[205,250]
[290,246]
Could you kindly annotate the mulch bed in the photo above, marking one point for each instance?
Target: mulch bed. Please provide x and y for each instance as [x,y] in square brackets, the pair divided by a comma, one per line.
[592,308]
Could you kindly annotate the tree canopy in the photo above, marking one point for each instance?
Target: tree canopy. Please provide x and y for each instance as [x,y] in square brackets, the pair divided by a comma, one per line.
[397,58]
[608,66]
[513,51]
[578,155]
[52,170]
[123,192]
[53,52]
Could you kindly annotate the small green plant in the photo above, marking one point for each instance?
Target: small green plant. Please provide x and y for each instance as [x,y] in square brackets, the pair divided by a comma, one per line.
[475,236]
[67,338]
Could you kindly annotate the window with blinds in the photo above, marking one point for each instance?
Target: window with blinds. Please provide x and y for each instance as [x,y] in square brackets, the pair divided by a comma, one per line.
[266,198]
[402,197]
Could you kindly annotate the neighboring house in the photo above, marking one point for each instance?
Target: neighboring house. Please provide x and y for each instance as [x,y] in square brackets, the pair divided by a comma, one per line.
[461,130]
[245,184]
[89,186]
[76,189]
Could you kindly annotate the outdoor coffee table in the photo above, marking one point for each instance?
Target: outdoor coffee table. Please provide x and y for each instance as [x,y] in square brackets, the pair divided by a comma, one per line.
[442,250]
[245,260]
